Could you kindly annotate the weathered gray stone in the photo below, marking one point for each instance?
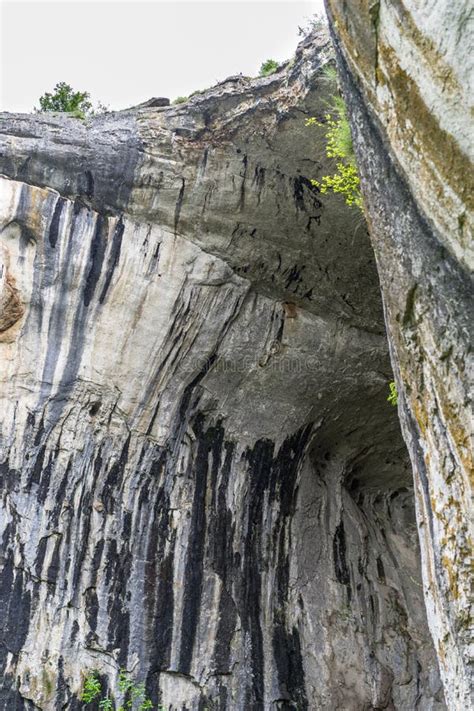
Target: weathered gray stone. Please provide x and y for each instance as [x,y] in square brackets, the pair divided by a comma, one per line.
[202,478]
[407,74]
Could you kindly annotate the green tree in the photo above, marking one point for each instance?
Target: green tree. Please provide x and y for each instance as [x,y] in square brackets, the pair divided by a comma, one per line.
[64,98]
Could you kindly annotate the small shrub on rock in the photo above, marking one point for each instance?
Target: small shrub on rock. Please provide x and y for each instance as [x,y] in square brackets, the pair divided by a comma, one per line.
[268,67]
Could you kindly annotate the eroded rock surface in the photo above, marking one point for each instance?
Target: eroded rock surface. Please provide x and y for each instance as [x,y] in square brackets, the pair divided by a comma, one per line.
[408,82]
[203,481]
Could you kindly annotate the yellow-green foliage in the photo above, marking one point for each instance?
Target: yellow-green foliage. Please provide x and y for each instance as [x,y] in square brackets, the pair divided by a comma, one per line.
[345,180]
[393,395]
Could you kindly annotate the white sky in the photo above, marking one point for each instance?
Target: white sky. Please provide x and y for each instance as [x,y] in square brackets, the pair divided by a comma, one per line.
[126,52]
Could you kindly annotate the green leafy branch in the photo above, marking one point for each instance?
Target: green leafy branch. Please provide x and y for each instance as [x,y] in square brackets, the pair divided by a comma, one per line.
[92,688]
[345,180]
[135,694]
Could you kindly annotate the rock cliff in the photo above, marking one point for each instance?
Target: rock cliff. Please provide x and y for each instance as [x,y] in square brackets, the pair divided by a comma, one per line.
[202,480]
[407,74]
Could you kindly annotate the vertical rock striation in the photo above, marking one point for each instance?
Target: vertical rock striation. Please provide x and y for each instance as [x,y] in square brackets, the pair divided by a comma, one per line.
[202,481]
[407,75]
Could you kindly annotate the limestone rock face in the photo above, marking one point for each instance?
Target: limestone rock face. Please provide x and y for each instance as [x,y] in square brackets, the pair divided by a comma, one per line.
[407,78]
[202,480]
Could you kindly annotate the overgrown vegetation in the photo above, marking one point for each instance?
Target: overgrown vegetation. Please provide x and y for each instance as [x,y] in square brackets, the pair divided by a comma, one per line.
[180,99]
[393,394]
[92,688]
[268,67]
[339,148]
[64,98]
[134,694]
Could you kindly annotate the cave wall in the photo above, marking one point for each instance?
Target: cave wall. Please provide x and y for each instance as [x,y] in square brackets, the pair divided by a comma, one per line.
[407,78]
[202,480]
